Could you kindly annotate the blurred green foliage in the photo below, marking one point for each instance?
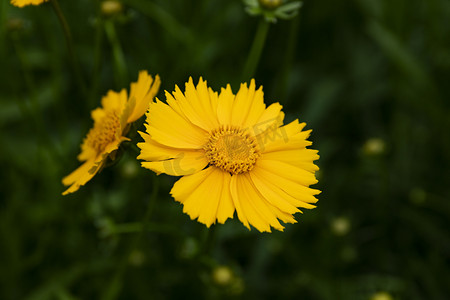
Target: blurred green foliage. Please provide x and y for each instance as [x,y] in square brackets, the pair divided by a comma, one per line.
[370,77]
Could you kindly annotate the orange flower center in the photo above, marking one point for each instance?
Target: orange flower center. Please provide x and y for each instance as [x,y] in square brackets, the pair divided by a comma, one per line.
[231,149]
[104,132]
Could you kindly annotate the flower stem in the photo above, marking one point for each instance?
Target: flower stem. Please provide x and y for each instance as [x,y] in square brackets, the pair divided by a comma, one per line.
[119,58]
[256,50]
[70,48]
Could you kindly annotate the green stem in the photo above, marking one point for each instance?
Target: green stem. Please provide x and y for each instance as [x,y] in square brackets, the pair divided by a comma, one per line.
[69,43]
[256,50]
[113,289]
[119,58]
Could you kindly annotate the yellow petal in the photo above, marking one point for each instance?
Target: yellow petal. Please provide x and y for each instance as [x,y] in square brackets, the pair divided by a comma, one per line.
[174,104]
[202,193]
[114,101]
[143,91]
[256,105]
[218,198]
[197,105]
[187,184]
[284,138]
[226,206]
[87,152]
[185,163]
[170,129]
[297,194]
[301,158]
[152,150]
[271,118]
[225,105]
[98,114]
[172,161]
[80,176]
[22,3]
[272,197]
[242,104]
[287,170]
[253,205]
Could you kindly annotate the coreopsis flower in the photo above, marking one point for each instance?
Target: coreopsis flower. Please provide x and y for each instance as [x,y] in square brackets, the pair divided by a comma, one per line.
[111,124]
[234,153]
[22,3]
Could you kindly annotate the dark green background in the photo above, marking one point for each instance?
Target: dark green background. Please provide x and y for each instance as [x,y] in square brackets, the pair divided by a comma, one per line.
[353,70]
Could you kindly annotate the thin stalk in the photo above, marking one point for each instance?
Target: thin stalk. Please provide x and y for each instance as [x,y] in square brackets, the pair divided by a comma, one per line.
[113,289]
[70,48]
[119,58]
[256,50]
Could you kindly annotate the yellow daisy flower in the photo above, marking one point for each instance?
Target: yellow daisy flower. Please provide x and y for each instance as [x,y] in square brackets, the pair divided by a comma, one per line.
[233,154]
[111,124]
[22,3]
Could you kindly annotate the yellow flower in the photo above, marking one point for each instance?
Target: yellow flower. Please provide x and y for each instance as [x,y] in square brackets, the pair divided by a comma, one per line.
[233,154]
[111,124]
[22,3]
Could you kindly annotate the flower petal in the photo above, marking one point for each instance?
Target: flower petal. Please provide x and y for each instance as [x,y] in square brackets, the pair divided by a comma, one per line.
[115,101]
[241,104]
[271,196]
[285,137]
[168,128]
[298,195]
[81,175]
[287,171]
[197,105]
[202,194]
[22,3]
[143,91]
[256,105]
[185,163]
[225,105]
[172,161]
[301,158]
[271,118]
[253,206]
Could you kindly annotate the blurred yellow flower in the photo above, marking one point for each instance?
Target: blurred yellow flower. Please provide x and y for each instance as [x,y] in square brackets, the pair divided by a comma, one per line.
[233,154]
[111,124]
[22,3]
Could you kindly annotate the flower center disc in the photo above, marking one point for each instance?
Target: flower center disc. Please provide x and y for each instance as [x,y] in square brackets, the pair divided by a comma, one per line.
[103,132]
[232,150]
